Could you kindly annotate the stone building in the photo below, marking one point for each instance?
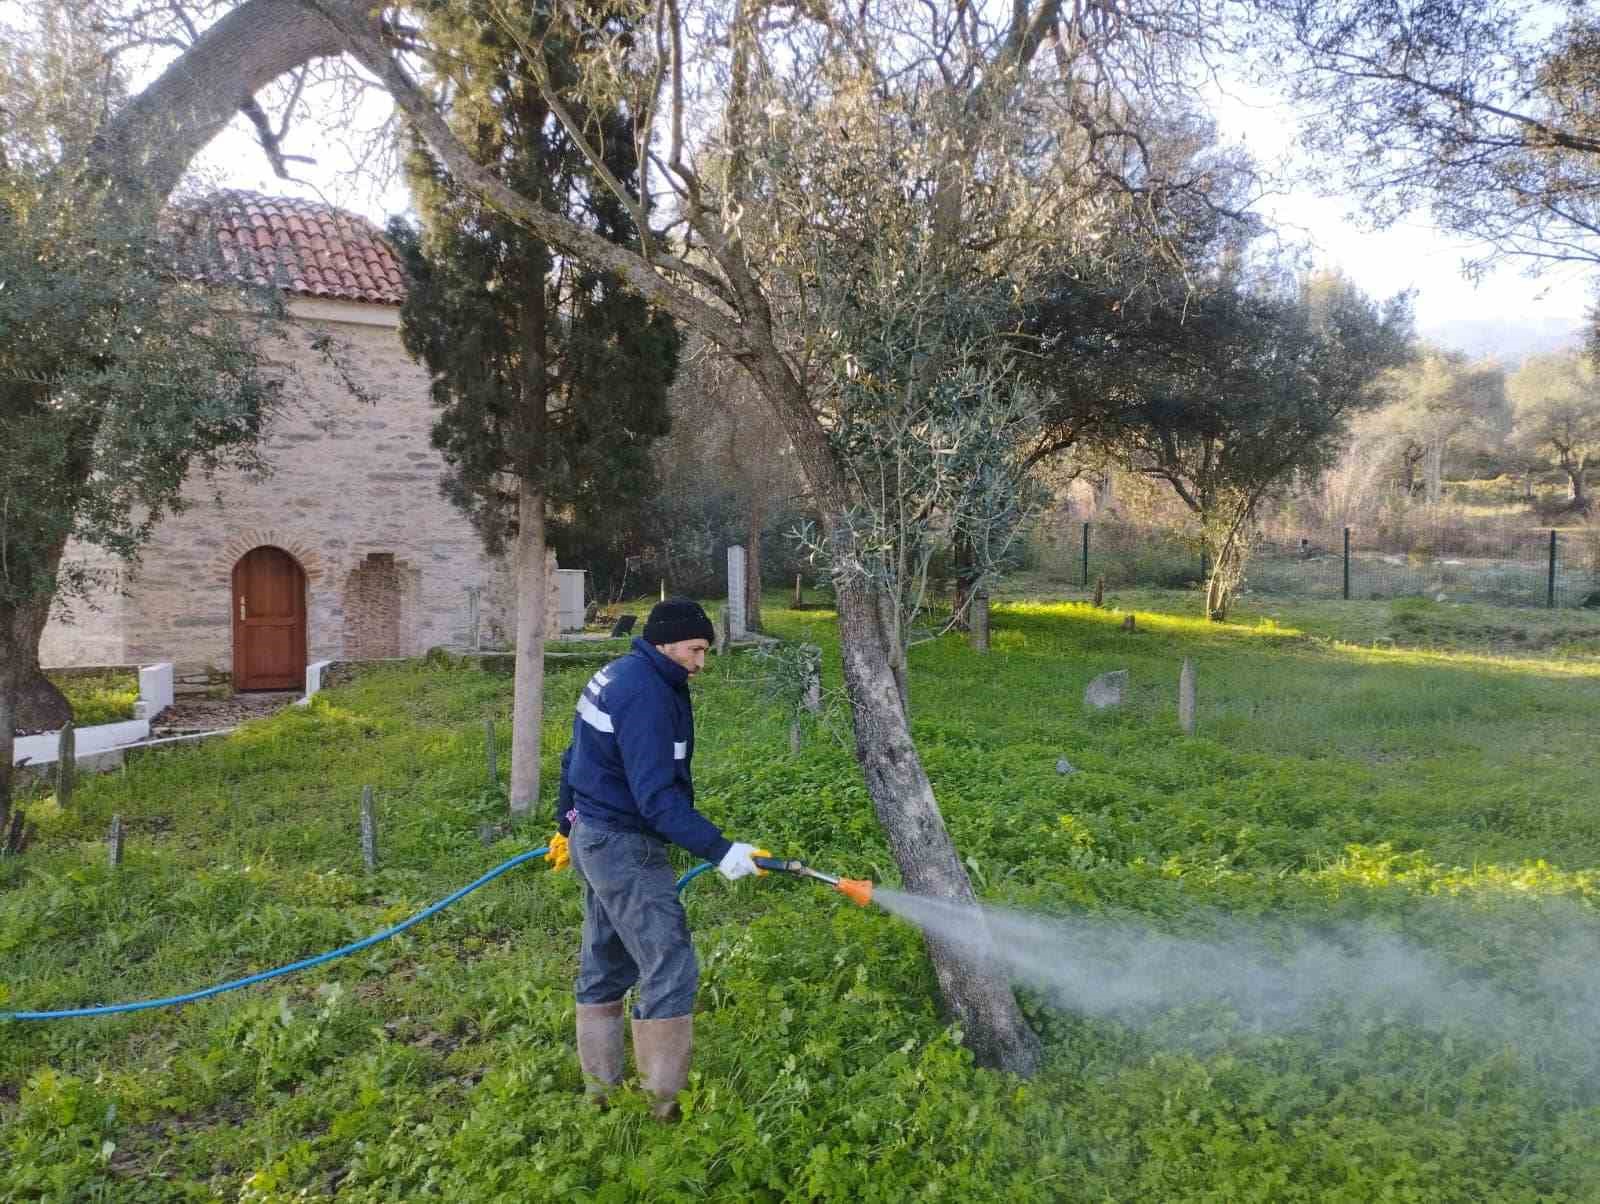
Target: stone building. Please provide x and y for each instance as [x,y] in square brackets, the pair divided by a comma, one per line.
[347,550]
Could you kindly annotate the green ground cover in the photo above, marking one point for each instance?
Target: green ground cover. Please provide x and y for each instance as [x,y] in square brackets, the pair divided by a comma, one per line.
[1433,784]
[99,697]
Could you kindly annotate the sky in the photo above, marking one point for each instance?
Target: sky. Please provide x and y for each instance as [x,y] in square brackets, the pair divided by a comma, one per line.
[1408,255]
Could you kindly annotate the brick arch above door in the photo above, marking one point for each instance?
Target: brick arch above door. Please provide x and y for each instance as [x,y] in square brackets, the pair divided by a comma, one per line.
[312,562]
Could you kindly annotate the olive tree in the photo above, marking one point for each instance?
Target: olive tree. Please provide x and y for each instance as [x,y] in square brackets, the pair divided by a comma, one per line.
[1440,400]
[1557,416]
[122,370]
[1256,389]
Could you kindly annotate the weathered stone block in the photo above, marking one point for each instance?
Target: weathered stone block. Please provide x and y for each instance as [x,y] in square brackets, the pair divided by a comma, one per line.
[1106,690]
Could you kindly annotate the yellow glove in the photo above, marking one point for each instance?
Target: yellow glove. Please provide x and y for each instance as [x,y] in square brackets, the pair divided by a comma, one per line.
[558,856]
[761,873]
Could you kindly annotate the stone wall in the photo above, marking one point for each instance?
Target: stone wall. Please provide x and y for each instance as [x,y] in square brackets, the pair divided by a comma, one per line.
[353,497]
[89,632]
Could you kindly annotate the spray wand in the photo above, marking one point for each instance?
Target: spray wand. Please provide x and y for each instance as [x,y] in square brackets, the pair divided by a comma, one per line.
[857,890]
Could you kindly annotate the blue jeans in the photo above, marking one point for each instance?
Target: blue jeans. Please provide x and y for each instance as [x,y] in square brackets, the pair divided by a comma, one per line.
[634,929]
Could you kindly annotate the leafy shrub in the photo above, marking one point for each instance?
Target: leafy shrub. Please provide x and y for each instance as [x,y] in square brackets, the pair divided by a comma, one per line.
[100,697]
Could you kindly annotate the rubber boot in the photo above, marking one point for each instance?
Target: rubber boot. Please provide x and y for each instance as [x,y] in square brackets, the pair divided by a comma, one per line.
[600,1048]
[662,1049]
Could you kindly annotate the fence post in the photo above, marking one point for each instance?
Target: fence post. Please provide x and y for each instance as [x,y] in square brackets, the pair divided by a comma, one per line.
[1347,564]
[369,829]
[1085,555]
[114,842]
[1550,587]
[66,764]
[491,754]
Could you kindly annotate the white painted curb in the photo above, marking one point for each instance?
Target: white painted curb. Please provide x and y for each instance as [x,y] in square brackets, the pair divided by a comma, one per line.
[103,737]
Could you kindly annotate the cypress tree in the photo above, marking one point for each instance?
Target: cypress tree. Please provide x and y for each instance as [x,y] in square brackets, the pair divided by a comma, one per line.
[550,377]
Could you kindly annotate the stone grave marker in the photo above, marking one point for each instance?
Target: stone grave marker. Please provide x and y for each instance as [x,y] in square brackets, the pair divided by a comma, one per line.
[1186,716]
[1106,690]
[736,600]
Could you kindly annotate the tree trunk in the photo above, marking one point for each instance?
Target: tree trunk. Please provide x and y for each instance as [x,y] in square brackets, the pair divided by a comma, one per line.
[752,561]
[1216,598]
[1435,465]
[1410,456]
[1580,494]
[1227,569]
[527,693]
[37,705]
[9,652]
[979,624]
[962,555]
[976,995]
[145,149]
[527,704]
[1105,496]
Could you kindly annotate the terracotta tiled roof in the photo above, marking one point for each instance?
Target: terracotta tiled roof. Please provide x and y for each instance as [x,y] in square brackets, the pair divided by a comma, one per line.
[306,248]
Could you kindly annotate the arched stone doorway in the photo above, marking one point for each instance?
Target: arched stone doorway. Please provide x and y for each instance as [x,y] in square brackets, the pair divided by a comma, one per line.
[269,621]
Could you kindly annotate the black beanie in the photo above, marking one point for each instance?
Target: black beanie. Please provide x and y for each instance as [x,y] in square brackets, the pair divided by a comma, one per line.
[677,619]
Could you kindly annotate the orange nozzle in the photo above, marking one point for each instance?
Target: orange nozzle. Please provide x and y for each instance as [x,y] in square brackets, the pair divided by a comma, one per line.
[857,890]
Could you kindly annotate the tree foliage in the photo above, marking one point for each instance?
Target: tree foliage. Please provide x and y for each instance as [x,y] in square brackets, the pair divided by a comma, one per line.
[1557,415]
[1255,389]
[1439,401]
[123,371]
[1482,112]
[481,286]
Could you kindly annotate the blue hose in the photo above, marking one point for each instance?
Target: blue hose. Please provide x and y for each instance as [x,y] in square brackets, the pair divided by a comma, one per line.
[307,963]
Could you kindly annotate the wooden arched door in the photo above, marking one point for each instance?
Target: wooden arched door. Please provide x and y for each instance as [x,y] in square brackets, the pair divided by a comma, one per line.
[269,621]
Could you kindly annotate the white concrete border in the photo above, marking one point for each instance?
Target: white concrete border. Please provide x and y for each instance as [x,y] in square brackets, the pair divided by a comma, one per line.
[314,673]
[155,690]
[44,748]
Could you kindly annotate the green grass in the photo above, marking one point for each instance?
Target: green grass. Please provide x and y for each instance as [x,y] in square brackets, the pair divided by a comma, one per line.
[1406,769]
[100,697]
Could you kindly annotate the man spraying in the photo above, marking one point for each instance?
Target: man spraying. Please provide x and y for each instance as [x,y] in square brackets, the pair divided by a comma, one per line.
[626,791]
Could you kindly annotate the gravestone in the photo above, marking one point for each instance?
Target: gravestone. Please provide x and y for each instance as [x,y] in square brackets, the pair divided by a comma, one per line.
[735,612]
[812,698]
[1186,719]
[1106,690]
[623,625]
[114,842]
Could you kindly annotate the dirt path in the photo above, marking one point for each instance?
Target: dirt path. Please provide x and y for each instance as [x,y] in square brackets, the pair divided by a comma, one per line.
[188,715]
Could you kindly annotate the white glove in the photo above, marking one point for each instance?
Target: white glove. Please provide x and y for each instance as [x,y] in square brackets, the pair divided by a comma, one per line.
[738,861]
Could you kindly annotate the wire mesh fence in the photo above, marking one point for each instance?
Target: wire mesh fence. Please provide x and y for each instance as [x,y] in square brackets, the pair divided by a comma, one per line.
[1505,567]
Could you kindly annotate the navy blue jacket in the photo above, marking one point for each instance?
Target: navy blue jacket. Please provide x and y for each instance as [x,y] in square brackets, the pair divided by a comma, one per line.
[628,766]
